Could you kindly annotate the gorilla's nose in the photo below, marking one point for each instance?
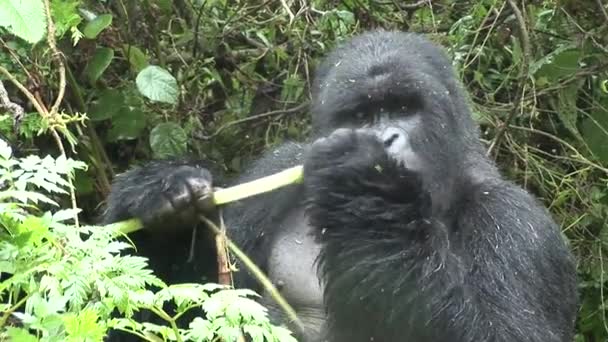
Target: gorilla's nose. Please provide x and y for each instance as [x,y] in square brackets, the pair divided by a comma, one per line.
[392,136]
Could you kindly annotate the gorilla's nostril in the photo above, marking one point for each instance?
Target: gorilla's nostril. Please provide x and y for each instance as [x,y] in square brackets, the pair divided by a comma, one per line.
[388,142]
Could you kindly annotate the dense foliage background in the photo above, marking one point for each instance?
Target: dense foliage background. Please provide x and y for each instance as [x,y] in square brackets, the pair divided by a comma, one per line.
[223,80]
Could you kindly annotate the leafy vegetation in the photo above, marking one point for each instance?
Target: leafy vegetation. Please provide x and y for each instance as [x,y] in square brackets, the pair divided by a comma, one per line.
[63,282]
[225,79]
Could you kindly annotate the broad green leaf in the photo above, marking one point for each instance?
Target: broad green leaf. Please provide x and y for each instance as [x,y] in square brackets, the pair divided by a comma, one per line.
[94,27]
[109,103]
[137,58]
[127,124]
[83,183]
[24,18]
[165,5]
[595,132]
[157,84]
[562,62]
[98,63]
[565,106]
[168,139]
[21,335]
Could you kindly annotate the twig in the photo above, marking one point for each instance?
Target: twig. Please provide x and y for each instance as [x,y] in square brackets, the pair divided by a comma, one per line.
[196,29]
[585,33]
[259,275]
[602,9]
[56,56]
[288,10]
[39,107]
[523,75]
[251,118]
[224,272]
[407,7]
[581,159]
[50,37]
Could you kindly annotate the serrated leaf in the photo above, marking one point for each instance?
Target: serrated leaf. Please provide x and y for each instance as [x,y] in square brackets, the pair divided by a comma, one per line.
[110,102]
[168,139]
[83,326]
[94,27]
[24,18]
[200,330]
[157,84]
[98,63]
[65,15]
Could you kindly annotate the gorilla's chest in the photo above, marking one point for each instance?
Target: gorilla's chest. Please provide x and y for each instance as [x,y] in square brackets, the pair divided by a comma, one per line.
[292,268]
[292,260]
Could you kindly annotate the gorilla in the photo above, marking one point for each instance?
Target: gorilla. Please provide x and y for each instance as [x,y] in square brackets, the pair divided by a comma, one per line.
[402,229]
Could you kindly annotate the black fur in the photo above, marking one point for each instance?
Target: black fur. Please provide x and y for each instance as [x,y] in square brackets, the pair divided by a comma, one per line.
[421,239]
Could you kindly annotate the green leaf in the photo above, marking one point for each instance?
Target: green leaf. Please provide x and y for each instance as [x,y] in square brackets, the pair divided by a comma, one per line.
[137,58]
[24,18]
[65,15]
[565,106]
[21,335]
[562,62]
[94,27]
[5,150]
[83,326]
[110,102]
[127,125]
[99,63]
[200,330]
[595,132]
[157,84]
[168,139]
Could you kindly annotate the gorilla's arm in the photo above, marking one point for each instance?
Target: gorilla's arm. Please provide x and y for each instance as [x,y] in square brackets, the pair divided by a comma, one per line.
[489,270]
[158,191]
[168,195]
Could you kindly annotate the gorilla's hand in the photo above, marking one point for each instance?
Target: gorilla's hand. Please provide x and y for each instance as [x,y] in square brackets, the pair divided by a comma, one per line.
[162,194]
[345,152]
[351,180]
[184,193]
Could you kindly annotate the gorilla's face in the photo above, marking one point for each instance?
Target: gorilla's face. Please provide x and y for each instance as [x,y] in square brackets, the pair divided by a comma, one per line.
[407,107]
[396,131]
[413,125]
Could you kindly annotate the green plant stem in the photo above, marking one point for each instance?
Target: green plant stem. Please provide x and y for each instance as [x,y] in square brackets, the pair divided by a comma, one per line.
[258,186]
[162,314]
[8,312]
[97,150]
[133,332]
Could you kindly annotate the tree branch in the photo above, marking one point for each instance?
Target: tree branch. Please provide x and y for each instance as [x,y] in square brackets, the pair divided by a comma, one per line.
[523,75]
